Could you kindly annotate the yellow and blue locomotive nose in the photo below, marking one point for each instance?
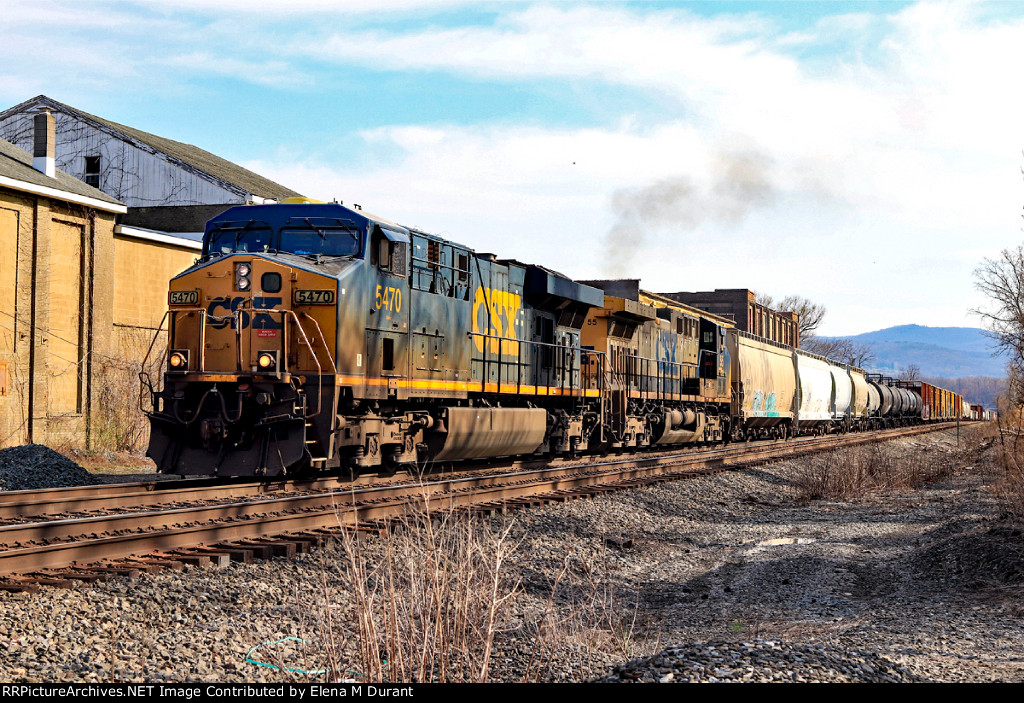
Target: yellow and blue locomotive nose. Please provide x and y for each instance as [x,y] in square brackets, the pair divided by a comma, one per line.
[245,332]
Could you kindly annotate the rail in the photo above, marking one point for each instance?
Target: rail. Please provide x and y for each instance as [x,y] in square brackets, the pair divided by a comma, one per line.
[89,543]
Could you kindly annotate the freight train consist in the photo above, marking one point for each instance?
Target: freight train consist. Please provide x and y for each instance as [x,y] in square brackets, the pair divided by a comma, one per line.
[314,336]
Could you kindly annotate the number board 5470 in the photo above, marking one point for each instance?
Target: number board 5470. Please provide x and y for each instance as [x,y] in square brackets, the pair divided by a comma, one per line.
[314,297]
[183,297]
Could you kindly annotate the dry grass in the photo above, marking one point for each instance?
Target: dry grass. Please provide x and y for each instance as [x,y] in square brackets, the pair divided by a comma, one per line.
[118,423]
[427,607]
[583,609]
[436,597]
[845,474]
[1008,435]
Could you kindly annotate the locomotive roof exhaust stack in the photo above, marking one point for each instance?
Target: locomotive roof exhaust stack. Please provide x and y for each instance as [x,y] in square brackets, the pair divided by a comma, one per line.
[44,143]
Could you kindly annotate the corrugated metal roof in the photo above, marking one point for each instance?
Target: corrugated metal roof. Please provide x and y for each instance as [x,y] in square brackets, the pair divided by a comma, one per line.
[210,164]
[16,163]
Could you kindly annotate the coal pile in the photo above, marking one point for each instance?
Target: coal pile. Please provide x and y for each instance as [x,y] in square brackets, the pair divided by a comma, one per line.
[33,466]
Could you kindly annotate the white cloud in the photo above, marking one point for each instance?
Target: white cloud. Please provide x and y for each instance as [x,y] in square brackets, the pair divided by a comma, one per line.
[272,73]
[890,140]
[293,8]
[897,166]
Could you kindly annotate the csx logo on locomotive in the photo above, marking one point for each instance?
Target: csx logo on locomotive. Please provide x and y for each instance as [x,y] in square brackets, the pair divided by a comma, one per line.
[494,315]
[221,313]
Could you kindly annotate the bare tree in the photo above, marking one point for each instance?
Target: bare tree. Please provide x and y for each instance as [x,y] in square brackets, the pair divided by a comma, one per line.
[1002,281]
[810,314]
[842,350]
[911,372]
[860,355]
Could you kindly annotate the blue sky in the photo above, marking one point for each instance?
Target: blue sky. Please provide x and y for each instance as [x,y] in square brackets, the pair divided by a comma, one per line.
[864,155]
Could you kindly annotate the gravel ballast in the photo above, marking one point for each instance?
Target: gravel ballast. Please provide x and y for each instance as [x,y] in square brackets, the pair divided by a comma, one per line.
[34,466]
[722,578]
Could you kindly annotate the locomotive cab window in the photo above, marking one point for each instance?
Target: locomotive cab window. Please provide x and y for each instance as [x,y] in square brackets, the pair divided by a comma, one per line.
[238,237]
[320,241]
[391,250]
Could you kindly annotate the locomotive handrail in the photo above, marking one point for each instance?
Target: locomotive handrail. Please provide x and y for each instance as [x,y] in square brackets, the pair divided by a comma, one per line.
[144,382]
[595,379]
[435,267]
[323,339]
[320,374]
[641,375]
[574,366]
[236,317]
[305,339]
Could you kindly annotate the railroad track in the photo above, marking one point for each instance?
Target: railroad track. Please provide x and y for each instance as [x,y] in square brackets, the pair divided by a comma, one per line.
[59,536]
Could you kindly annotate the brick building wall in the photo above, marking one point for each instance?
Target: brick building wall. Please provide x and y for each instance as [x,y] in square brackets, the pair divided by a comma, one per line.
[56,320]
[738,304]
[142,269]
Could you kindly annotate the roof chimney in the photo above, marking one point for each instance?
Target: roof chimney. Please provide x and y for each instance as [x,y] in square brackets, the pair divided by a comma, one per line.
[45,143]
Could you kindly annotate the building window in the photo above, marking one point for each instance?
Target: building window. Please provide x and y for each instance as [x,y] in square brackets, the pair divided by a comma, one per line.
[92,171]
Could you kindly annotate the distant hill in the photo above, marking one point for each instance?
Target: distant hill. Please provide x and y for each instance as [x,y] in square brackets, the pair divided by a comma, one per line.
[948,352]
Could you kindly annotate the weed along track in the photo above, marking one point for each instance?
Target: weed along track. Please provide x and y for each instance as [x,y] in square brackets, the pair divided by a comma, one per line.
[55,538]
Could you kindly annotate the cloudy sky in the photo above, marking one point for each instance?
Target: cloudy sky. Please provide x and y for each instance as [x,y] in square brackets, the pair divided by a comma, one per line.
[865,155]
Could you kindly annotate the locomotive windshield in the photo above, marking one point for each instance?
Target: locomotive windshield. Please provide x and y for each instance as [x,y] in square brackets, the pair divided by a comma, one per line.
[238,237]
[315,237]
[320,240]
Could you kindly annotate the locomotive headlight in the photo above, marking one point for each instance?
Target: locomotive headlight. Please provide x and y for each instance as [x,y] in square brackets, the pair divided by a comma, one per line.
[177,361]
[242,272]
[267,361]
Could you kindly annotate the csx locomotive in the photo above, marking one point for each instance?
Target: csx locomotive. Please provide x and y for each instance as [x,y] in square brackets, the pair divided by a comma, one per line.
[315,336]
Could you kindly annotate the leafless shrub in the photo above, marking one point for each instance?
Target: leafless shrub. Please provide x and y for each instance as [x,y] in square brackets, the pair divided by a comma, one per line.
[437,596]
[119,424]
[427,607]
[844,474]
[1010,433]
